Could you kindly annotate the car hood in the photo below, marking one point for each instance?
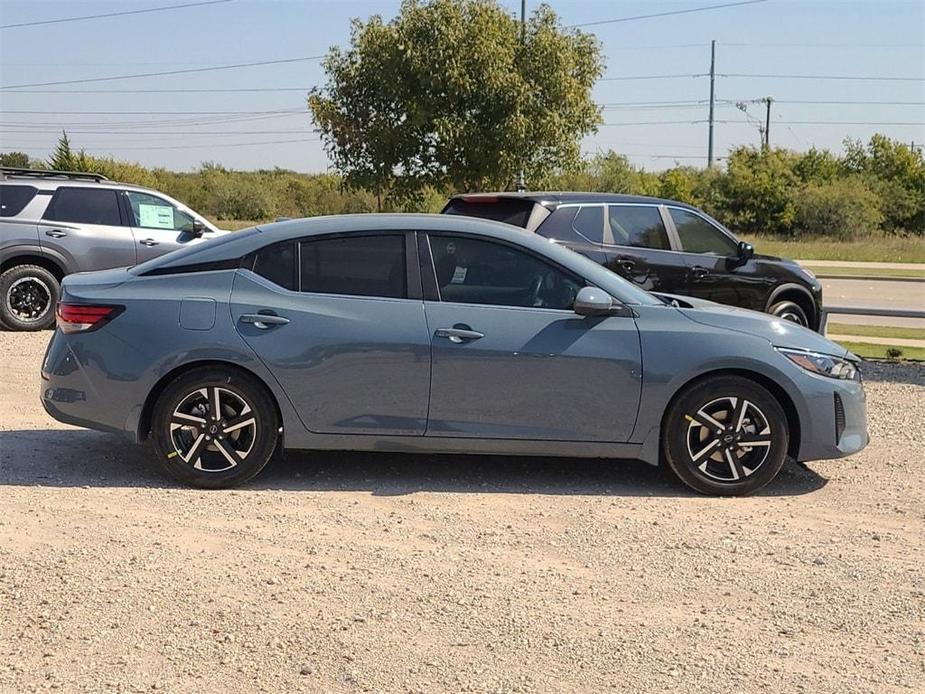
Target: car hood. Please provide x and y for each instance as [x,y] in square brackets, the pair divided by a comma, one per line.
[780,333]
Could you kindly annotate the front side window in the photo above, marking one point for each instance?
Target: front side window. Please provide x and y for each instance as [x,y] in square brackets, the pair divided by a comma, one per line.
[473,271]
[152,212]
[699,236]
[84,206]
[357,265]
[14,198]
[638,225]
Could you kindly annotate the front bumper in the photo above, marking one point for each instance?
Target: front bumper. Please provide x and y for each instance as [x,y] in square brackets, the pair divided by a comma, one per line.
[835,424]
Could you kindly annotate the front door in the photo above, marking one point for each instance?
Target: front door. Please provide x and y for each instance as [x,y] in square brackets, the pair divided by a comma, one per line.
[157,225]
[332,319]
[712,260]
[510,358]
[637,248]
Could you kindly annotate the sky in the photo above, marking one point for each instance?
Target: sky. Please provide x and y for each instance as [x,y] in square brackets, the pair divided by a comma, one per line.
[773,48]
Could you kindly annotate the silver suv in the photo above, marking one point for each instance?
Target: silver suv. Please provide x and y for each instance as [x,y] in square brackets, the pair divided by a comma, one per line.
[53,223]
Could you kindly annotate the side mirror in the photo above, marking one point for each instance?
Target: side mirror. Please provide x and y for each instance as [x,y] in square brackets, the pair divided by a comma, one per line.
[744,253]
[198,228]
[592,301]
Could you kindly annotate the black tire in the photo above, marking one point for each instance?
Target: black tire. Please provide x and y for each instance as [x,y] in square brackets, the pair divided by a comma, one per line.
[28,296]
[790,310]
[698,450]
[214,454]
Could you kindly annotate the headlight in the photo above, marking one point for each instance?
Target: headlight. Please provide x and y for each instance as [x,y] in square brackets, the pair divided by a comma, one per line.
[822,364]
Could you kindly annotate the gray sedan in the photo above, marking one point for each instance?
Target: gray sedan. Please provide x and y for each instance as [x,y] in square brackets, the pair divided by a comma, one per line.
[436,334]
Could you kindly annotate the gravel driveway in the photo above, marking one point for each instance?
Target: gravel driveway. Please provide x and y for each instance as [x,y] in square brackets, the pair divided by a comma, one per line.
[350,572]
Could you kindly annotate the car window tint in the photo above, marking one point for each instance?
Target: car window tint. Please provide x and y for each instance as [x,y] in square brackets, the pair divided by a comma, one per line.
[507,210]
[638,225]
[589,223]
[84,206]
[152,212]
[358,265]
[472,271]
[277,264]
[699,236]
[14,198]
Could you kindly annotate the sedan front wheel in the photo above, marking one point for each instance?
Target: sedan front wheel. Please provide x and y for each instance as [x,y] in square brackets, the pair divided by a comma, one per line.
[725,436]
[214,428]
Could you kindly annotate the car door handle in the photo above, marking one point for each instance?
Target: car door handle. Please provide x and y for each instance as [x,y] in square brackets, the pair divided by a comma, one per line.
[459,335]
[148,242]
[698,273]
[56,233]
[263,320]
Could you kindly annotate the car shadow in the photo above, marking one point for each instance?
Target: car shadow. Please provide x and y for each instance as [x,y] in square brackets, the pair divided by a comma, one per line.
[82,458]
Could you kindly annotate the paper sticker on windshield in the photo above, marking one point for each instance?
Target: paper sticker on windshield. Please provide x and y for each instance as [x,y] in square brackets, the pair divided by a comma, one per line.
[155,216]
[459,275]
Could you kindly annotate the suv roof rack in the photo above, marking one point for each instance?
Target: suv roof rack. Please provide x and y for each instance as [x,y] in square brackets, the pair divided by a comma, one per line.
[6,171]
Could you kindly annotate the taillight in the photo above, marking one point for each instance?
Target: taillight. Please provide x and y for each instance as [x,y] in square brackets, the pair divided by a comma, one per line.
[76,318]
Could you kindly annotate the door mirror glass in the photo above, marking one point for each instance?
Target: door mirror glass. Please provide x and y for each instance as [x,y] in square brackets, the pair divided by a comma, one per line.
[592,301]
[745,251]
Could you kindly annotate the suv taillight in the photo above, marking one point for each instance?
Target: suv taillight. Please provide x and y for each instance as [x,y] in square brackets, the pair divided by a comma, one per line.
[76,318]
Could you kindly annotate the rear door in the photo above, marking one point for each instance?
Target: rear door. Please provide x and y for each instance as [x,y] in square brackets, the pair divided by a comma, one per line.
[158,226]
[578,227]
[85,226]
[511,360]
[638,247]
[339,321]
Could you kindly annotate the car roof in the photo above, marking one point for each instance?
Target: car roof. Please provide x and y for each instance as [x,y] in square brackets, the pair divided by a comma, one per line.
[50,180]
[553,199]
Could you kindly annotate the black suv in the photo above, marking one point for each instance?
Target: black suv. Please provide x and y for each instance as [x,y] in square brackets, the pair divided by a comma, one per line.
[661,245]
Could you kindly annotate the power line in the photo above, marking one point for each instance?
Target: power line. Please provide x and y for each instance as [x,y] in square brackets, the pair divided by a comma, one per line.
[135,133]
[153,113]
[217,144]
[164,73]
[825,45]
[111,14]
[836,102]
[666,14]
[13,90]
[824,77]
[648,77]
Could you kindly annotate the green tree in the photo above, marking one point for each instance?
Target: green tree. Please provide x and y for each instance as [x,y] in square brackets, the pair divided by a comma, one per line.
[19,160]
[66,159]
[844,208]
[755,195]
[452,95]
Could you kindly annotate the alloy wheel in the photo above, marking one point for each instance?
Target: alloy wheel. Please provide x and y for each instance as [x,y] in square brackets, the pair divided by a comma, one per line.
[213,429]
[728,439]
[28,299]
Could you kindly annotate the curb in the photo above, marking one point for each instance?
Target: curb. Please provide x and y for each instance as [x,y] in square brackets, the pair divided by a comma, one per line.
[866,278]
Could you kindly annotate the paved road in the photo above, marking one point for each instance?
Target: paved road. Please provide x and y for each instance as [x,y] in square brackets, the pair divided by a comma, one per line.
[878,294]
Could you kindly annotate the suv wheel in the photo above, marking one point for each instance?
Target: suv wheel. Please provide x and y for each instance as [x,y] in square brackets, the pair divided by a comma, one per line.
[28,296]
[790,310]
[726,436]
[214,428]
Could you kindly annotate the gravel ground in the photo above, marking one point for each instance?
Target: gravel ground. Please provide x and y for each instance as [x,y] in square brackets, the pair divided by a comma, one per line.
[349,572]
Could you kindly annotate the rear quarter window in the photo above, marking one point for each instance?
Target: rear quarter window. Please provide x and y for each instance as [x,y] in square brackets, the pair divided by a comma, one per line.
[13,199]
[507,210]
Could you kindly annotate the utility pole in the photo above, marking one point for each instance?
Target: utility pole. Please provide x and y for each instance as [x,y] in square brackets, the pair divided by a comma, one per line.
[712,94]
[521,181]
[767,122]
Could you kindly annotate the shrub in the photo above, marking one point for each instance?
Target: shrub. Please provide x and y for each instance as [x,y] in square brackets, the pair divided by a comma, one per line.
[843,209]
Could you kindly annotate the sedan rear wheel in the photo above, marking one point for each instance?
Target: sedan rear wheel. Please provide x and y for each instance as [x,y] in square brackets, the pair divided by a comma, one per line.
[214,428]
[725,435]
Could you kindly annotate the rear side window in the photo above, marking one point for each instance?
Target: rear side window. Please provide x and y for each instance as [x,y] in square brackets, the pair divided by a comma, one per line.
[357,265]
[277,264]
[14,198]
[580,225]
[507,210]
[638,225]
[84,206]
[699,236]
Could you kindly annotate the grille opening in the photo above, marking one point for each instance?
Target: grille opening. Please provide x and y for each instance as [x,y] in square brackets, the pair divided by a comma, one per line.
[839,418]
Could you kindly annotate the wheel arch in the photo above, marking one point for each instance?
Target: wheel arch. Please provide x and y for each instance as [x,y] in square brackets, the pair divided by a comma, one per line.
[778,392]
[800,296]
[33,258]
[144,421]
